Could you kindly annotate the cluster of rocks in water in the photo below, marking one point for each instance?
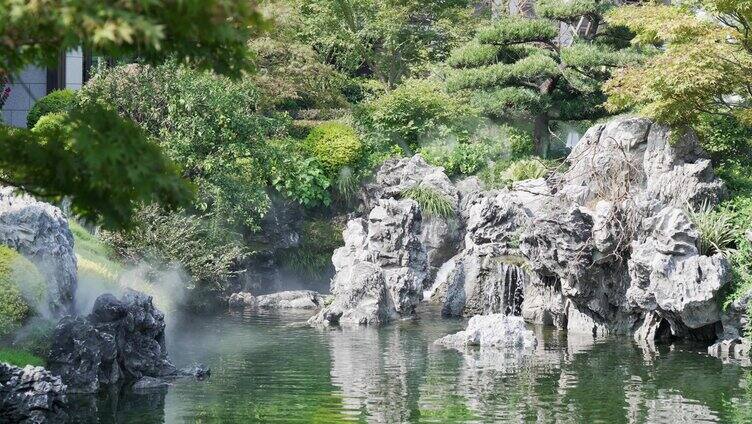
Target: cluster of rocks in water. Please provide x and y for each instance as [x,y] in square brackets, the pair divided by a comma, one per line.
[605,246]
[121,341]
[292,299]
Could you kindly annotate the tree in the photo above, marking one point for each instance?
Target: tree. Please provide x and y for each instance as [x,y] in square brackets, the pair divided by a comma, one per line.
[386,39]
[705,66]
[105,164]
[529,68]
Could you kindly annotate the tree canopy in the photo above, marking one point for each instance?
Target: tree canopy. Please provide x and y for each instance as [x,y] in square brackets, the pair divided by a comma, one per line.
[705,65]
[548,68]
[104,163]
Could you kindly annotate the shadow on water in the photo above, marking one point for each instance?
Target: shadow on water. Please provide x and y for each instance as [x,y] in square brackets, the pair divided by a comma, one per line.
[269,368]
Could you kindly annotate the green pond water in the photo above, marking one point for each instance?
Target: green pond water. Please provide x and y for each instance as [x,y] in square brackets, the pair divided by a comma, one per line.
[268,368]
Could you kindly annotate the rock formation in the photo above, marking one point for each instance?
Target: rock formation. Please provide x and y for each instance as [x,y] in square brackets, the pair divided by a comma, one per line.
[40,232]
[121,340]
[292,299]
[604,247]
[31,395]
[381,269]
[495,330]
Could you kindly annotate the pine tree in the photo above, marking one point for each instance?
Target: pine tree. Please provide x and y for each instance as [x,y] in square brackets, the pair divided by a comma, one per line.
[546,69]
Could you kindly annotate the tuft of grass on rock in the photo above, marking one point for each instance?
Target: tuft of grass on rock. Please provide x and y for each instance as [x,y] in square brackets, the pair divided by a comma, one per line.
[430,200]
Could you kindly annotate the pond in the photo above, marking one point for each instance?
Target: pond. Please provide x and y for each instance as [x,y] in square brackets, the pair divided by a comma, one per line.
[269,368]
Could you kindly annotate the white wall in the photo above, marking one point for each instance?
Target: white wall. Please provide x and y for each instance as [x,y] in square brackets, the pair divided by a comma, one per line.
[34,87]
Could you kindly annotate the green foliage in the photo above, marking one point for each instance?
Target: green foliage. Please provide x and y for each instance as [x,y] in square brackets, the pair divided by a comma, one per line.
[430,200]
[20,358]
[703,67]
[209,255]
[312,258]
[413,111]
[105,161]
[35,337]
[56,101]
[716,229]
[386,39]
[347,184]
[20,283]
[728,140]
[205,33]
[95,259]
[504,173]
[298,177]
[516,68]
[101,150]
[334,145]
[208,124]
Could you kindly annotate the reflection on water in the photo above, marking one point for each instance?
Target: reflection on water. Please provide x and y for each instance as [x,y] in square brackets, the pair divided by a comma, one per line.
[265,368]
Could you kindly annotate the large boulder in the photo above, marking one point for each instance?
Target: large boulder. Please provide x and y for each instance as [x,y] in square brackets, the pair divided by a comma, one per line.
[388,252]
[121,340]
[40,232]
[31,395]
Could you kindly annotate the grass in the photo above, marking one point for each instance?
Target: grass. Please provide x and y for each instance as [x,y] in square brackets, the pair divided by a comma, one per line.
[431,201]
[21,288]
[718,234]
[20,358]
[94,257]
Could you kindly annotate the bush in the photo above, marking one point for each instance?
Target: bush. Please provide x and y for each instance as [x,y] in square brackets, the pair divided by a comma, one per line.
[415,110]
[313,257]
[208,124]
[165,240]
[20,358]
[20,285]
[431,201]
[334,145]
[486,145]
[297,176]
[504,173]
[56,101]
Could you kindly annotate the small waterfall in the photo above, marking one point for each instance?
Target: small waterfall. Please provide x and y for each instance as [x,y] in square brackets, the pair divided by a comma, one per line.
[504,289]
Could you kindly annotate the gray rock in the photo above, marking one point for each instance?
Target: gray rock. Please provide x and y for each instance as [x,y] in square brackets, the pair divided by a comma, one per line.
[196,370]
[241,300]
[31,395]
[388,250]
[496,330]
[293,299]
[440,235]
[40,232]
[121,340]
[360,298]
[668,275]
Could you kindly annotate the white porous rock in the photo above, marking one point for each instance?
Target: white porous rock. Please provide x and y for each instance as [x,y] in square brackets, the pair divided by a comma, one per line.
[495,330]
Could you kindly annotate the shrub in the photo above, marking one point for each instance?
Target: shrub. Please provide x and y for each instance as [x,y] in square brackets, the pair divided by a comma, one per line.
[298,177]
[431,201]
[21,286]
[504,173]
[334,145]
[20,358]
[414,110]
[56,101]
[208,124]
[313,257]
[165,240]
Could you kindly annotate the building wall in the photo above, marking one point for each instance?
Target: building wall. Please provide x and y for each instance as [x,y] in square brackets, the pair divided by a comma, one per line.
[31,85]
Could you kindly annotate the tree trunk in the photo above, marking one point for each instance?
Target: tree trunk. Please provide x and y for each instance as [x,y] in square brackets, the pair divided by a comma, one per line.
[540,135]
